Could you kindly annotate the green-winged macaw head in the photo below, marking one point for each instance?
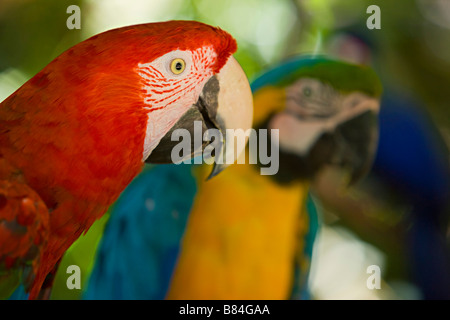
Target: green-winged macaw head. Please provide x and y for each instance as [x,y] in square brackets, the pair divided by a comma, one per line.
[326,113]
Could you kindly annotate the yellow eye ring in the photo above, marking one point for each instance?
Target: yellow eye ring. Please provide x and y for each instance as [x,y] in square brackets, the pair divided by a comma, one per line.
[177,66]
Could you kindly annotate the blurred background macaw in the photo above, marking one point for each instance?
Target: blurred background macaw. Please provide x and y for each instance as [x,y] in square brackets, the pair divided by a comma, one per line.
[409,52]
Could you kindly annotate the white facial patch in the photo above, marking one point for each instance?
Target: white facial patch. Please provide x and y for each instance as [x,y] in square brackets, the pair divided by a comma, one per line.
[166,95]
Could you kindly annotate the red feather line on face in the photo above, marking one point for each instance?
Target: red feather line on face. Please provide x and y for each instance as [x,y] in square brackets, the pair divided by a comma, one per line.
[74,133]
[175,88]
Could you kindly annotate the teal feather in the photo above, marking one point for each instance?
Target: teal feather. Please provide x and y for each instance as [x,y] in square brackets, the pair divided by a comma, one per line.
[140,245]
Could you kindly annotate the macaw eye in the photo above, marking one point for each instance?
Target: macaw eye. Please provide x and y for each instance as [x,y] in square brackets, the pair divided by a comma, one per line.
[307,92]
[177,66]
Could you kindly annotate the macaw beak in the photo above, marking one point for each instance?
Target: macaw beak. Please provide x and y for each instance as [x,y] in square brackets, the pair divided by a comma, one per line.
[225,103]
[347,140]
[235,112]
[356,141]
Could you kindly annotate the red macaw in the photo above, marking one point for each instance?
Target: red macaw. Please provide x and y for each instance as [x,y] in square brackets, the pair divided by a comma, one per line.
[76,134]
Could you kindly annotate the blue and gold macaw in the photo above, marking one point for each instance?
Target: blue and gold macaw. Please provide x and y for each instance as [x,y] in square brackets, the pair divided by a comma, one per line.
[243,235]
[257,243]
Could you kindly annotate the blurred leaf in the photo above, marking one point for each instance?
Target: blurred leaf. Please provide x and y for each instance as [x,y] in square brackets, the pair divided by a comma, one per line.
[32,33]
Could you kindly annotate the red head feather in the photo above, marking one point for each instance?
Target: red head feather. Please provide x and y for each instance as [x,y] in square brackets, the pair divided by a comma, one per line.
[75,131]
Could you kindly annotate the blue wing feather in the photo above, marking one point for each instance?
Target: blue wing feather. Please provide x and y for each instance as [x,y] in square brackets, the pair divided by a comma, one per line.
[140,246]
